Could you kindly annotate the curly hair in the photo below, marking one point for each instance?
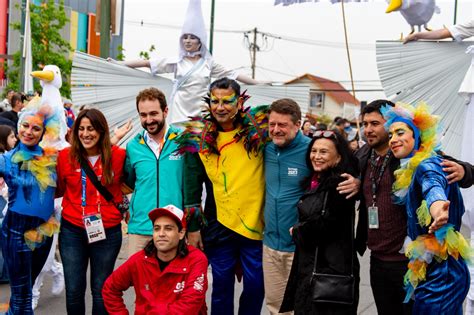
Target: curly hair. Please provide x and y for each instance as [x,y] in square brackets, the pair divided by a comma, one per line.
[152,94]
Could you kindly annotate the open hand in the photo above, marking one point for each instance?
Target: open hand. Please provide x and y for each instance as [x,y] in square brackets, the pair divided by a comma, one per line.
[439,210]
[455,171]
[350,186]
[122,131]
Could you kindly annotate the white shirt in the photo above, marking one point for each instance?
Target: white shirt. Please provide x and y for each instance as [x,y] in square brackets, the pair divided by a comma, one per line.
[93,159]
[155,146]
[462,31]
[188,99]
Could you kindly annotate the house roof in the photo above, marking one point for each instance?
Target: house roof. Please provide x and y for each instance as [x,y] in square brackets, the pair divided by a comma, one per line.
[332,88]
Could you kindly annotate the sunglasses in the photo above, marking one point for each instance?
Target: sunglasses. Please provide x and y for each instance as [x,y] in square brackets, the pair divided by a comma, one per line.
[324,134]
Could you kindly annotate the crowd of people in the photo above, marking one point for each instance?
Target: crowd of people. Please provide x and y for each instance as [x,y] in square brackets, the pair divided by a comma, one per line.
[278,211]
[257,194]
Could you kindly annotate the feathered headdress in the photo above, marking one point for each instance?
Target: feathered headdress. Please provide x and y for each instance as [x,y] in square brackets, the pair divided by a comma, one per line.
[425,129]
[200,134]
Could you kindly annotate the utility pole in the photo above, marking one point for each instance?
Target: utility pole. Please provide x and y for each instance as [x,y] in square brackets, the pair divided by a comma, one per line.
[455,10]
[211,35]
[104,28]
[254,52]
[22,41]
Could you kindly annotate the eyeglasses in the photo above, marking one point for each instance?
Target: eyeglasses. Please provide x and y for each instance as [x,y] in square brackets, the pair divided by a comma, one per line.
[324,134]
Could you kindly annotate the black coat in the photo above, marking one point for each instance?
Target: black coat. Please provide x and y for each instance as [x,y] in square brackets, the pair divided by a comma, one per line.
[330,230]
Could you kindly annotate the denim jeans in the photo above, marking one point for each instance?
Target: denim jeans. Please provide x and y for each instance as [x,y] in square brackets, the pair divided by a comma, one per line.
[23,264]
[76,253]
[224,257]
[3,264]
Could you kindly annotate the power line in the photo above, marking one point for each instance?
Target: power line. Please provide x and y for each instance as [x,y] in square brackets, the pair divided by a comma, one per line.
[356,46]
[176,27]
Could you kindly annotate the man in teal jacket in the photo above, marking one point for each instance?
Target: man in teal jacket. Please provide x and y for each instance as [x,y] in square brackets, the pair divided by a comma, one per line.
[285,168]
[153,169]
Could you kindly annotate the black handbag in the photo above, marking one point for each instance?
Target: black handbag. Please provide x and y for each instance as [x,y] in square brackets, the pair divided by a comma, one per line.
[122,206]
[332,288]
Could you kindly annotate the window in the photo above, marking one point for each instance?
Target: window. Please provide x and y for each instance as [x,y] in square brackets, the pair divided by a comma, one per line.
[316,100]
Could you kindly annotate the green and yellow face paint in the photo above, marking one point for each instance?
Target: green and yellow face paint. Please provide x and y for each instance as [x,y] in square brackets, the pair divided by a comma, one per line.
[228,101]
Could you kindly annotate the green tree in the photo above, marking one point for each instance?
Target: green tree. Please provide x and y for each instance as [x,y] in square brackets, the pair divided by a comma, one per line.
[120,55]
[146,54]
[47,45]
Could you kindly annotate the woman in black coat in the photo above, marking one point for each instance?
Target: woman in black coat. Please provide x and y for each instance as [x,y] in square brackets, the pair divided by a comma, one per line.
[323,224]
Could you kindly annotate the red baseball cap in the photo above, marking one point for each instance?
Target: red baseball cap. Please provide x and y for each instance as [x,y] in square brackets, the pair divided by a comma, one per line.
[170,211]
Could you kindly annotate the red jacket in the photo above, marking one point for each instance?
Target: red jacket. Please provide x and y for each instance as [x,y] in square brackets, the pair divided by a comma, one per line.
[70,187]
[179,289]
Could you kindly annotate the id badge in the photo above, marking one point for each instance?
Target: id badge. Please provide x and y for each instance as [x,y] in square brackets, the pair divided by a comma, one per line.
[94,228]
[373,217]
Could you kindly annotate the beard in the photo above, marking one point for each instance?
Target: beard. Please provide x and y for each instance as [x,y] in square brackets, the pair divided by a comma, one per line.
[159,126]
[379,143]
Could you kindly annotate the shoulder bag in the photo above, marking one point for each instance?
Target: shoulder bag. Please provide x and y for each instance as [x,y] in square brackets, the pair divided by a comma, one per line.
[122,206]
[332,288]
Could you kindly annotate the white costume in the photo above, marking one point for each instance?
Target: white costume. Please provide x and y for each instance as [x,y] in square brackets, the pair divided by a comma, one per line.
[51,82]
[191,80]
[51,267]
[460,32]
[187,99]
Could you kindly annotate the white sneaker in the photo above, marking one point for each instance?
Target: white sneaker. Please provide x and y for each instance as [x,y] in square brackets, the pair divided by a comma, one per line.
[34,303]
[58,279]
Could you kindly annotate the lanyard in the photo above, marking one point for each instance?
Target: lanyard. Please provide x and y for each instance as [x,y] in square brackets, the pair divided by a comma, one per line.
[376,181]
[160,144]
[84,193]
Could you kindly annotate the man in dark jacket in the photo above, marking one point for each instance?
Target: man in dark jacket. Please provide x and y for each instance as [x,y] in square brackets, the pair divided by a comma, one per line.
[387,221]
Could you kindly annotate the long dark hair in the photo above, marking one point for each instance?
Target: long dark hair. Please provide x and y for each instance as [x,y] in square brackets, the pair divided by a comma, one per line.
[5,132]
[347,164]
[78,152]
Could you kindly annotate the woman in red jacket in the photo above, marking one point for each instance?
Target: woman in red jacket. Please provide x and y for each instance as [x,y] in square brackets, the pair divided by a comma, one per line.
[90,227]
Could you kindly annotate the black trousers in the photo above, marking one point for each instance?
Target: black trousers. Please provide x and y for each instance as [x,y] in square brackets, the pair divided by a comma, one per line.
[386,280]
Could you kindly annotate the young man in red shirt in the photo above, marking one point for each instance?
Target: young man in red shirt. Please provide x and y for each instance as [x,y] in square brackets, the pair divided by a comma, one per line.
[169,276]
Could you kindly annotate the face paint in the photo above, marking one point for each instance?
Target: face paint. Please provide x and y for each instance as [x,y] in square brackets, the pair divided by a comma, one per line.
[230,100]
[30,130]
[225,105]
[402,141]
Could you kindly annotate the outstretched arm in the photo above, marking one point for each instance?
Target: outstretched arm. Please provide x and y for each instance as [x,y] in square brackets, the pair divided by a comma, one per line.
[434,35]
[248,80]
[433,187]
[137,63]
[132,63]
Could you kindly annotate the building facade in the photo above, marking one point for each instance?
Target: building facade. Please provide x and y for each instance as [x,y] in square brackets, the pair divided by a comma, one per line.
[81,31]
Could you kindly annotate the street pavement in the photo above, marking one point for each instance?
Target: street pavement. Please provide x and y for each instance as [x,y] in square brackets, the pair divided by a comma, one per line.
[56,305]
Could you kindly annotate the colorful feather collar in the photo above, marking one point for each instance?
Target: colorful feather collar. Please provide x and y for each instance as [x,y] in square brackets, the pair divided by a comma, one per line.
[40,162]
[200,133]
[427,124]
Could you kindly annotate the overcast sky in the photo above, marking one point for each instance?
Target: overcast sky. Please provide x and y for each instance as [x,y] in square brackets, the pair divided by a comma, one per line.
[320,24]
